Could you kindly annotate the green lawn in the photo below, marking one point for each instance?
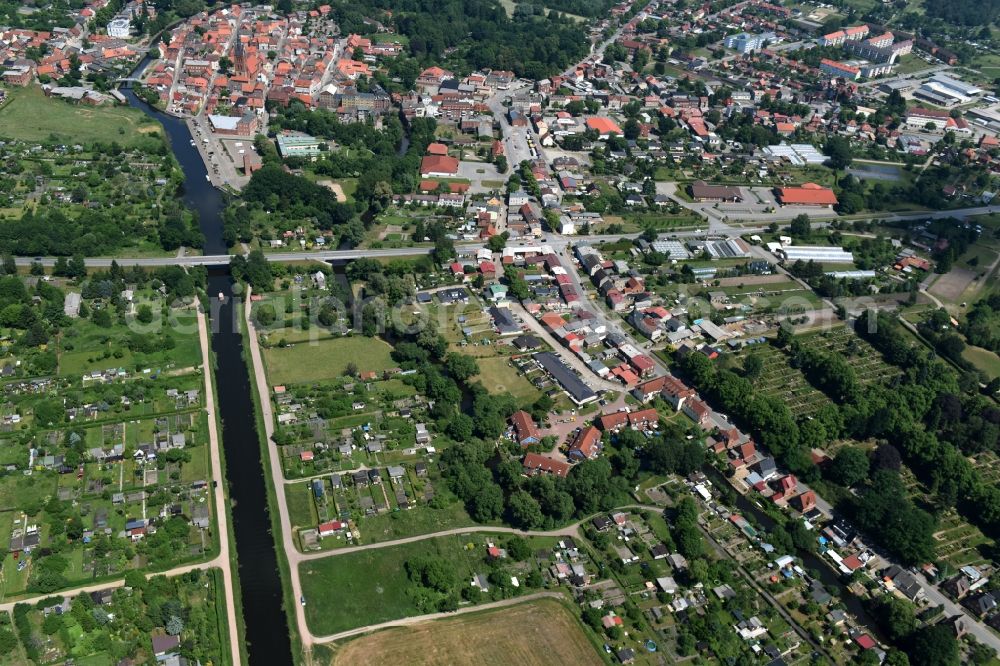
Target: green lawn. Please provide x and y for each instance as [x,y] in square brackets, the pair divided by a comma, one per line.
[371,586]
[91,347]
[31,116]
[983,359]
[497,376]
[300,504]
[326,359]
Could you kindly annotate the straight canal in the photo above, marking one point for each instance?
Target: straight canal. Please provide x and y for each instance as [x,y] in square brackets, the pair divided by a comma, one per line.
[266,623]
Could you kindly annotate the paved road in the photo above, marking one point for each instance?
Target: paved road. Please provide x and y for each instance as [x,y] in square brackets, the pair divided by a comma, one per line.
[610,321]
[568,357]
[975,627]
[417,619]
[558,243]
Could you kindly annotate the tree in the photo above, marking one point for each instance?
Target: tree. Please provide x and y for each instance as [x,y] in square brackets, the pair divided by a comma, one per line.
[264,314]
[518,549]
[887,457]
[525,512]
[487,504]
[800,226]
[461,366]
[838,150]
[144,314]
[460,428]
[849,467]
[753,365]
[175,625]
[498,242]
[897,617]
[934,646]
[253,269]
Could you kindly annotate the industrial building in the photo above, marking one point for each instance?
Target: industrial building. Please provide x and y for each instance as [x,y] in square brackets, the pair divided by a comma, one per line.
[673,249]
[947,91]
[298,145]
[577,390]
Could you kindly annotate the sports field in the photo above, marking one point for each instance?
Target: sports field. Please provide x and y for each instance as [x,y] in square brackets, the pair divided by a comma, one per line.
[31,116]
[536,633]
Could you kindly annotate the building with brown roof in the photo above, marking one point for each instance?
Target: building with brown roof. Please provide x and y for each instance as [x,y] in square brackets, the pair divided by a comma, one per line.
[700,191]
[441,166]
[535,464]
[525,430]
[586,445]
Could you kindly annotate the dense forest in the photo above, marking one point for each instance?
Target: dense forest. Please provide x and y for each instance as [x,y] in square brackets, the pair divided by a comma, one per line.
[529,43]
[965,12]
[590,8]
[91,233]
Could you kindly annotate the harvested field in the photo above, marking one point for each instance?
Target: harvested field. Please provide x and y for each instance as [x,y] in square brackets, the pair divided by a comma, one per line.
[532,634]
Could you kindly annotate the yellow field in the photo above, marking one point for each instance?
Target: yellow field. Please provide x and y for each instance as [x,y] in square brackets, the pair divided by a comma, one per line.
[538,633]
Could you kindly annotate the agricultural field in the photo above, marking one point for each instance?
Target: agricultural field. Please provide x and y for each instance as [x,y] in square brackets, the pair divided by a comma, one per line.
[31,116]
[535,633]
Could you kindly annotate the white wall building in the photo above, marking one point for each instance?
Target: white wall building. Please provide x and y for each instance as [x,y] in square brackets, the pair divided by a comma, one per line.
[119,28]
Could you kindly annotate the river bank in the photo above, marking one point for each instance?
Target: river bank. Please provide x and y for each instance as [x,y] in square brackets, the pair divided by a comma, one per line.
[264,615]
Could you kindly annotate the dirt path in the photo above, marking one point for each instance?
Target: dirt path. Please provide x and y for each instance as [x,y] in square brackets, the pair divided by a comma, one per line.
[274,462]
[572,530]
[417,619]
[221,561]
[219,499]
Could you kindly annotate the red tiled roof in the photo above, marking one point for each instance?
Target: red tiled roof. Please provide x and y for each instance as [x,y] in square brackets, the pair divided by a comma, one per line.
[809,194]
[538,463]
[587,442]
[439,164]
[524,426]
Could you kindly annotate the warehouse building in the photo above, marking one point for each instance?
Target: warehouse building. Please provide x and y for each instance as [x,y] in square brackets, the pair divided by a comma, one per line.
[577,390]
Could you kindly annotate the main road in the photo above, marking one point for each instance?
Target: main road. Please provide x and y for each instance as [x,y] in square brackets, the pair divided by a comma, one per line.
[558,242]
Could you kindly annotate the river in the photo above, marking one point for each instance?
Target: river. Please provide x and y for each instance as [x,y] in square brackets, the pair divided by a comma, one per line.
[813,562]
[259,580]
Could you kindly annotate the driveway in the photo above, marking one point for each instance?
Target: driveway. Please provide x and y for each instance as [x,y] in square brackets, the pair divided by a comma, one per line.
[568,357]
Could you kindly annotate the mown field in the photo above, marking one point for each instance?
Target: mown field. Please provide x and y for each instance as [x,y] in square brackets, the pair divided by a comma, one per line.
[31,116]
[537,633]
[325,359]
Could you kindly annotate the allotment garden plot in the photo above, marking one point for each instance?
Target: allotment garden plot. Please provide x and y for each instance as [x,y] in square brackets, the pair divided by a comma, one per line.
[372,505]
[105,462]
[867,362]
[781,380]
